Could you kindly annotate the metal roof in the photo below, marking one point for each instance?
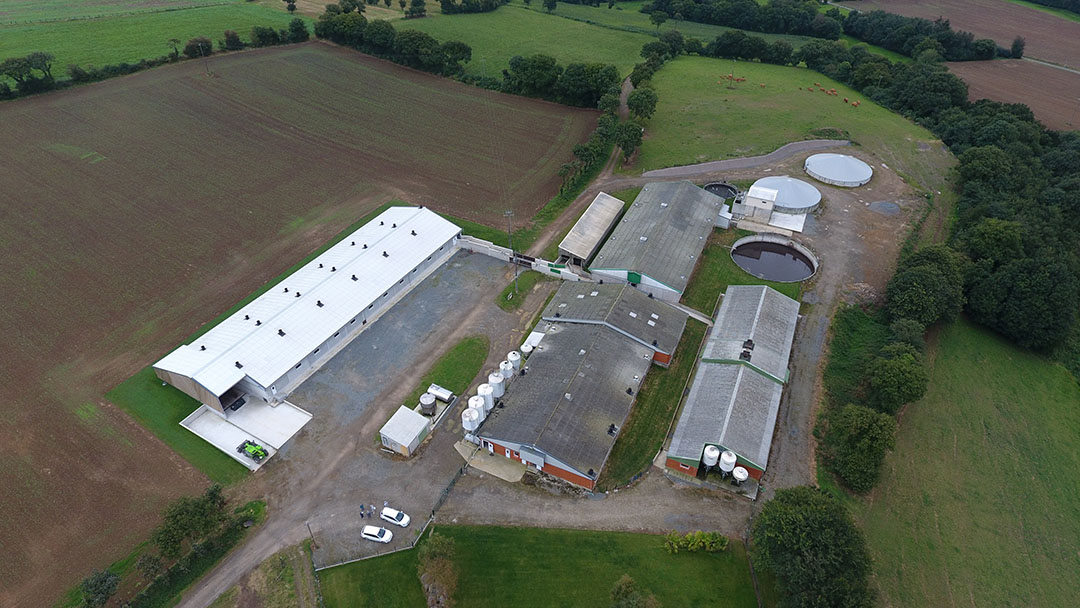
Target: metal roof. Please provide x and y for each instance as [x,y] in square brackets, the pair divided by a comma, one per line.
[787,192]
[732,403]
[574,390]
[662,234]
[585,237]
[312,303]
[838,169]
[404,426]
[649,321]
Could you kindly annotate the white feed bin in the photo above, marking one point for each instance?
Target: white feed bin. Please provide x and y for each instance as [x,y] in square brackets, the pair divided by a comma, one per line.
[727,461]
[440,393]
[488,394]
[514,357]
[497,382]
[506,369]
[526,350]
[470,419]
[712,455]
[740,475]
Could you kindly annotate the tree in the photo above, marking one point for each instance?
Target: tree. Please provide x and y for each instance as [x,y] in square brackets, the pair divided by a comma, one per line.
[812,545]
[149,565]
[628,137]
[41,62]
[402,4]
[191,519]
[298,31]
[608,103]
[232,41]
[290,5]
[17,69]
[625,594]
[200,46]
[658,18]
[908,331]
[268,36]
[379,35]
[1016,51]
[693,46]
[417,8]
[859,438]
[896,376]
[456,53]
[550,5]
[642,102]
[532,76]
[674,40]
[388,3]
[348,6]
[655,52]
[99,587]
[928,287]
[175,44]
[420,50]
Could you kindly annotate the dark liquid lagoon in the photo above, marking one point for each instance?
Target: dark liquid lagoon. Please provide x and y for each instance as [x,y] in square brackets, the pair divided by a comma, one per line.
[773,262]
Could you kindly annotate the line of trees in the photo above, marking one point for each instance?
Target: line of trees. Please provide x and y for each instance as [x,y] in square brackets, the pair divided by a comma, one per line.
[378,37]
[912,35]
[799,17]
[452,7]
[1069,5]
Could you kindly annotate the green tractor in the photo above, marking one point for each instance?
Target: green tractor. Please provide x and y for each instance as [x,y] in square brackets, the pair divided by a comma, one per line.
[253,451]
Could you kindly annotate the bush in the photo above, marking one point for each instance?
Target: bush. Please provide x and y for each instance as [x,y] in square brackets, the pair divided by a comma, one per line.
[198,47]
[692,542]
[857,442]
[99,587]
[908,331]
[896,377]
[928,287]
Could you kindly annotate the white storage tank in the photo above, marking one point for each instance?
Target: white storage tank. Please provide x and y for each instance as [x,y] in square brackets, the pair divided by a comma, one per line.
[526,350]
[440,393]
[498,384]
[712,455]
[740,475]
[481,415]
[514,357]
[470,419]
[727,461]
[506,369]
[488,394]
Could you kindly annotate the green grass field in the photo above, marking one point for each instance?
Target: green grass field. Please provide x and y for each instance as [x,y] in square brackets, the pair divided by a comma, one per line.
[644,432]
[525,283]
[500,567]
[513,30]
[979,504]
[857,336]
[455,369]
[716,270]
[130,38]
[28,11]
[699,120]
[1057,12]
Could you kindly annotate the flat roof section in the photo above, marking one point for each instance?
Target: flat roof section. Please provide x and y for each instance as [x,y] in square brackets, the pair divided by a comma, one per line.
[266,425]
[281,327]
[651,322]
[588,233]
[662,234]
[575,389]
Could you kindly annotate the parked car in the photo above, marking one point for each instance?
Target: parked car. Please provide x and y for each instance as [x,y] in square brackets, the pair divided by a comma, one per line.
[377,534]
[395,517]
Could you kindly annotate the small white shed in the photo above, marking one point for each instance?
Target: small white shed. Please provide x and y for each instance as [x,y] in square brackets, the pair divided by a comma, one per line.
[405,431]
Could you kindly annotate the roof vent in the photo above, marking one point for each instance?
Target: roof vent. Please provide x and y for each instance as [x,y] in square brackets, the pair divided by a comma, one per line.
[286,290]
[592,473]
[247,317]
[320,265]
[238,366]
[257,322]
[629,391]
[558,314]
[352,244]
[203,347]
[298,294]
[748,345]
[744,355]
[365,245]
[643,238]
[354,278]
[382,223]
[393,226]
[319,303]
[650,294]
[333,269]
[601,281]
[281,332]
[568,396]
[611,429]
[385,255]
[412,232]
[663,204]
[654,342]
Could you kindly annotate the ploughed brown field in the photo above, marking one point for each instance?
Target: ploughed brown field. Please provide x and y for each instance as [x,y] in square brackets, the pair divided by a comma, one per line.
[1048,37]
[134,210]
[1052,93]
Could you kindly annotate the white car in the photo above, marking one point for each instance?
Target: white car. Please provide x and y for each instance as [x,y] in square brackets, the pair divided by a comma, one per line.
[377,534]
[395,517]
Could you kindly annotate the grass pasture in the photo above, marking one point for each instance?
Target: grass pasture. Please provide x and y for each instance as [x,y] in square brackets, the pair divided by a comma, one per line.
[29,11]
[139,208]
[579,568]
[979,504]
[131,37]
[697,119]
[455,369]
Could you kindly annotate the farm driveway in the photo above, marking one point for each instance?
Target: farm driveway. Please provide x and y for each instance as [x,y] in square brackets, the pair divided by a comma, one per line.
[334,464]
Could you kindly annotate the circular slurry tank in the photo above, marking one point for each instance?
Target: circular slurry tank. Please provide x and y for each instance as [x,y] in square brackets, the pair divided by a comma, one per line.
[722,189]
[838,170]
[792,195]
[774,258]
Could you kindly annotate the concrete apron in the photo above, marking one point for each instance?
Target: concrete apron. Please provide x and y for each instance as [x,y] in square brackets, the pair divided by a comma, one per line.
[492,464]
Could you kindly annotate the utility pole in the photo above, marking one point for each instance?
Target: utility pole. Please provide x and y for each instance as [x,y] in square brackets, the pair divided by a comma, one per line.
[509,241]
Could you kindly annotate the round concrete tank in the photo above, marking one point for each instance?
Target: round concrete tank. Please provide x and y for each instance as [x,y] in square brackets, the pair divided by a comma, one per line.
[470,419]
[487,393]
[526,350]
[506,369]
[727,461]
[740,474]
[712,455]
[498,383]
[514,357]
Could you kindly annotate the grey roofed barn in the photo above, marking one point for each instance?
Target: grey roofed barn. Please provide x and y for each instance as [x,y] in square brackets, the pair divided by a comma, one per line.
[588,233]
[575,389]
[758,313]
[662,234]
[623,309]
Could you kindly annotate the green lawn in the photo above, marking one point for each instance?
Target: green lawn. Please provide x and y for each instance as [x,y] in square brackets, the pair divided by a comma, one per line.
[716,270]
[698,119]
[501,567]
[644,432]
[511,30]
[455,369]
[133,37]
[27,11]
[1057,12]
[525,283]
[979,504]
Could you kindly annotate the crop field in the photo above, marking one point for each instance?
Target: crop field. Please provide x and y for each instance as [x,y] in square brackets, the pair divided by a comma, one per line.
[1052,93]
[979,504]
[700,117]
[513,30]
[579,568]
[136,209]
[1048,36]
[129,38]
